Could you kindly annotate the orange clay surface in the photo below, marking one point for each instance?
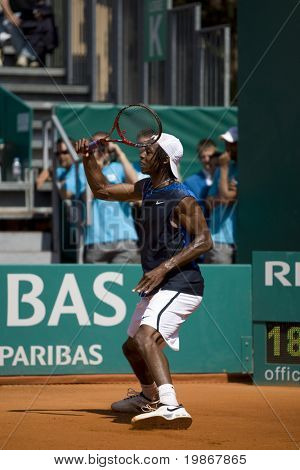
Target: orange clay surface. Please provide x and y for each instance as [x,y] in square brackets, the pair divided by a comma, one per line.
[225,416]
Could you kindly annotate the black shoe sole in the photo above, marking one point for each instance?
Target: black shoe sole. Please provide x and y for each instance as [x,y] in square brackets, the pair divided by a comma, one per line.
[158,422]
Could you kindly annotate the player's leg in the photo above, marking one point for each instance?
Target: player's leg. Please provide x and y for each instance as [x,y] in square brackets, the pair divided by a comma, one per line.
[149,395]
[134,401]
[157,363]
[166,311]
[167,413]
[138,365]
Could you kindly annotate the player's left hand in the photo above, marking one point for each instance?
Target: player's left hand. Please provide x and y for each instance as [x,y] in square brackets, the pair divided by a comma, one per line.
[150,280]
[82,148]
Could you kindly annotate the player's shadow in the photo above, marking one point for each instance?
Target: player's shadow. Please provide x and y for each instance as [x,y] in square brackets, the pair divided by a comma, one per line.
[107,414]
[124,418]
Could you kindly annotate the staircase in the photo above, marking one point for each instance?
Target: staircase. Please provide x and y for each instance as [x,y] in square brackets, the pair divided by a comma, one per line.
[25,248]
[41,89]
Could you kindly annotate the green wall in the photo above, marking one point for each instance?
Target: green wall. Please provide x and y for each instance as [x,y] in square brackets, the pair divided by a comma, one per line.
[47,309]
[15,130]
[269,118]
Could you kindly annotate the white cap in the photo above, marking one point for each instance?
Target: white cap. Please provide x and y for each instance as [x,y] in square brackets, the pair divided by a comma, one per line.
[231,135]
[173,148]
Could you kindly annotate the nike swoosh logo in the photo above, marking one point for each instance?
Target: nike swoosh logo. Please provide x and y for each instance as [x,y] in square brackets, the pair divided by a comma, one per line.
[174,409]
[159,202]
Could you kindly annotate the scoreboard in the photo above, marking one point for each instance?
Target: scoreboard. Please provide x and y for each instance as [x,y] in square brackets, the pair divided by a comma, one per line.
[276,317]
[283,343]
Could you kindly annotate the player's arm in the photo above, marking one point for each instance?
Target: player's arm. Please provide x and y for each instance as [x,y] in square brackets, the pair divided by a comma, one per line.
[189,215]
[98,183]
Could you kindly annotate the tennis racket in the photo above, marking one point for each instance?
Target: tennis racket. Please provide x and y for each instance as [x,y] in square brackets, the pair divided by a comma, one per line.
[136,125]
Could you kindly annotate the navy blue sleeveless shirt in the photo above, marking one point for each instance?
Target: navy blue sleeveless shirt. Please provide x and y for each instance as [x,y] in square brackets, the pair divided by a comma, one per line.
[162,239]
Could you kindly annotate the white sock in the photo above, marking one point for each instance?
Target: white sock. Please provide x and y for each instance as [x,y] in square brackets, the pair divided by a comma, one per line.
[167,395]
[150,391]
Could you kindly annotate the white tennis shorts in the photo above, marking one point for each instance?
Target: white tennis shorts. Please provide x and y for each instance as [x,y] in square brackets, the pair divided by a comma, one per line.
[165,311]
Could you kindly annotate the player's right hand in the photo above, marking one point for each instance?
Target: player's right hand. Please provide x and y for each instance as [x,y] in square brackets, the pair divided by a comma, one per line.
[82,147]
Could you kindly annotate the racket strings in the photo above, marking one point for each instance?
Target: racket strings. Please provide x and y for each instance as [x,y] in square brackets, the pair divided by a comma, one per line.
[139,125]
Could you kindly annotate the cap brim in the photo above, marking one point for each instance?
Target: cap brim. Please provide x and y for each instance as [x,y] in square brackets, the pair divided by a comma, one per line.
[227,137]
[174,169]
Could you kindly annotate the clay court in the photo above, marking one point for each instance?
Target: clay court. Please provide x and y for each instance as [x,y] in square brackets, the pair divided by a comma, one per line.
[226,415]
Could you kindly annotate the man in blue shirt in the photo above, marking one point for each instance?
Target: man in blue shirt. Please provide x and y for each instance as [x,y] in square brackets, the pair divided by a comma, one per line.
[222,199]
[67,182]
[200,182]
[111,237]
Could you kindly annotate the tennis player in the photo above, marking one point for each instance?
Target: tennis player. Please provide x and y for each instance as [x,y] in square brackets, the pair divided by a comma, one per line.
[171,289]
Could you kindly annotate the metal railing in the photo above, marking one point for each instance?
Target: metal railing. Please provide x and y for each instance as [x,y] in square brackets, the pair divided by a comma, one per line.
[84,30]
[51,129]
[183,24]
[102,45]
[197,66]
[213,59]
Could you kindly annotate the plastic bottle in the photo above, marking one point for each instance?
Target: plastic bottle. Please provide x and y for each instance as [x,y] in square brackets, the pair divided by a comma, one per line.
[16,169]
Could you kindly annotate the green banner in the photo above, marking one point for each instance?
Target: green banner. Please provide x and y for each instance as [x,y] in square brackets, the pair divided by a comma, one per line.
[155,30]
[189,123]
[276,317]
[73,320]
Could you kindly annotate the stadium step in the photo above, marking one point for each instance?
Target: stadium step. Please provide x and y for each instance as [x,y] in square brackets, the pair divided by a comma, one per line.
[20,257]
[12,242]
[51,91]
[32,75]
[41,89]
[25,247]
[18,200]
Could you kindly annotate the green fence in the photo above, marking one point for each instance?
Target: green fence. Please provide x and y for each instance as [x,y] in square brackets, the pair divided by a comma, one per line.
[188,123]
[73,320]
[15,131]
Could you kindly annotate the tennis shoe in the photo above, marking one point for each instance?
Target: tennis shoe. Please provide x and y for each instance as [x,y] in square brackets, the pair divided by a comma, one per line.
[133,403]
[162,416]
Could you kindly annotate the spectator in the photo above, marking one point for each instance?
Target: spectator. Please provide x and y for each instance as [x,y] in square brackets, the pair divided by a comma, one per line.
[10,22]
[221,201]
[41,31]
[65,173]
[111,238]
[200,182]
[4,35]
[30,25]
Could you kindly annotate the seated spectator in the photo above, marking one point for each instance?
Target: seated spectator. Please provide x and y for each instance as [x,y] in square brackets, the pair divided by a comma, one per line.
[221,201]
[200,182]
[10,22]
[30,25]
[111,237]
[41,32]
[4,36]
